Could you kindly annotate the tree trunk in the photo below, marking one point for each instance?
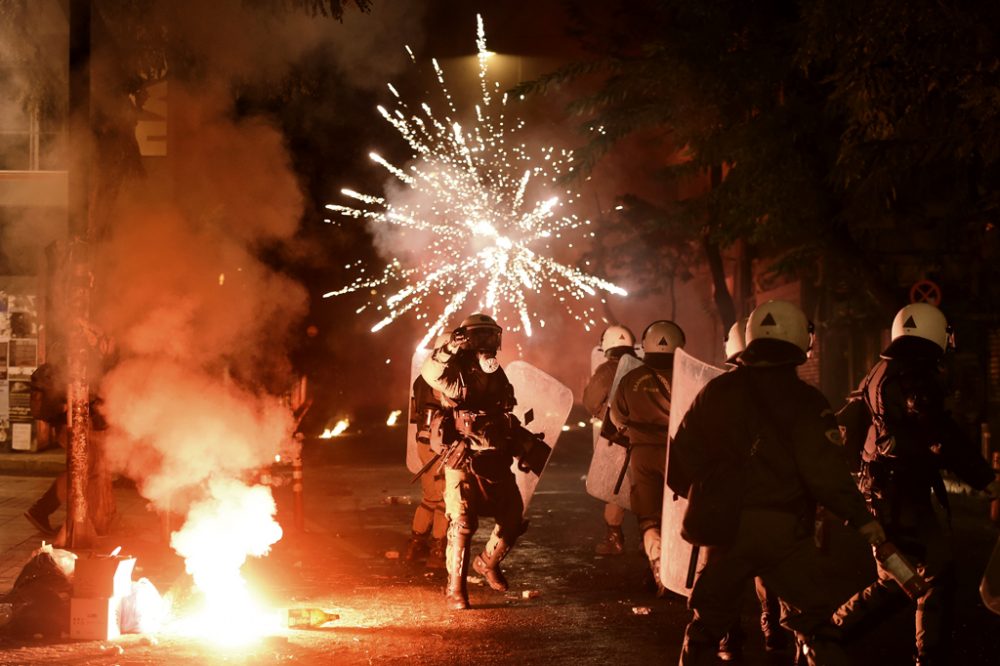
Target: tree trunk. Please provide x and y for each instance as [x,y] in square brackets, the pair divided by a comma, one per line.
[713,255]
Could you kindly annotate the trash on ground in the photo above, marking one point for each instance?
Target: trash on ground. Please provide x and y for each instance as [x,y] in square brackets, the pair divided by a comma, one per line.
[308,618]
[142,610]
[39,599]
[641,610]
[530,594]
[397,499]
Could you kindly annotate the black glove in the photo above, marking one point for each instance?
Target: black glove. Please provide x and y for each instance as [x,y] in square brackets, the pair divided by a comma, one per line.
[458,341]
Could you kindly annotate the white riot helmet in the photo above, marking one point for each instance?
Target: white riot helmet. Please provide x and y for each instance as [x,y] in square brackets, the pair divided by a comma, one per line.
[615,337]
[736,340]
[779,320]
[921,320]
[662,337]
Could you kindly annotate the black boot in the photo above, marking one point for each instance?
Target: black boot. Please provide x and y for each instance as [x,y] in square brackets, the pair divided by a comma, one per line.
[731,645]
[487,565]
[417,548]
[613,542]
[697,653]
[457,591]
[38,514]
[435,558]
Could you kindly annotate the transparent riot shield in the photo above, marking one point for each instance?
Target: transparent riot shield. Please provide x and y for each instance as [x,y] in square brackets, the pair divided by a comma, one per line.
[547,402]
[680,561]
[989,588]
[606,465]
[412,457]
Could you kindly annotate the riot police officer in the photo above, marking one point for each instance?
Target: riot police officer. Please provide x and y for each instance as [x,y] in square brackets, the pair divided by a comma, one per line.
[473,433]
[764,446]
[640,409]
[775,638]
[616,342]
[910,437]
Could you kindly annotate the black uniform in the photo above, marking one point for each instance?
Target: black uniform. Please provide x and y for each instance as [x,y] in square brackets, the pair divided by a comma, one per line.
[911,437]
[784,434]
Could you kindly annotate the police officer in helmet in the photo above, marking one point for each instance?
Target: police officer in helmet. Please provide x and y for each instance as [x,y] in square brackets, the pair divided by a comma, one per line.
[640,409]
[765,445]
[616,342]
[473,433]
[908,438]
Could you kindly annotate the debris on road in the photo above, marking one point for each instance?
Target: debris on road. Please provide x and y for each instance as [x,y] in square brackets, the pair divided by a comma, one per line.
[530,594]
[641,610]
[397,499]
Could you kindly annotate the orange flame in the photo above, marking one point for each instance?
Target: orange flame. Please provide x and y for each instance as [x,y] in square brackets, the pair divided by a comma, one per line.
[337,430]
[234,522]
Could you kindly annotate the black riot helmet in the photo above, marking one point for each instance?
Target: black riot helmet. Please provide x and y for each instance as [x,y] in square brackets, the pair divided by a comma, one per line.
[482,332]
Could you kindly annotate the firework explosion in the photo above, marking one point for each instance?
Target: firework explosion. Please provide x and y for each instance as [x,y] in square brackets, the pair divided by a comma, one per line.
[484,209]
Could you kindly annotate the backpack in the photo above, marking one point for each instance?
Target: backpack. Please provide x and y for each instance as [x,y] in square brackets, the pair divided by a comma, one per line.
[855,421]
[48,395]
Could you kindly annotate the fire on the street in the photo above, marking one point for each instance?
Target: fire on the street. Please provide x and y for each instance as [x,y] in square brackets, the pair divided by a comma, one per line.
[337,430]
[235,522]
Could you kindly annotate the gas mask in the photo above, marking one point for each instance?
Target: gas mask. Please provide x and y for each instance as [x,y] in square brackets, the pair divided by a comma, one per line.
[488,362]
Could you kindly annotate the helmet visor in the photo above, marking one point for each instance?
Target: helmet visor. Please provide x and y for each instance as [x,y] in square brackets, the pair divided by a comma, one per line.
[484,338]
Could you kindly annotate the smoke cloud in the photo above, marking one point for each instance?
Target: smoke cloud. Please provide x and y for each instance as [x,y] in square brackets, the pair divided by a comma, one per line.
[195,395]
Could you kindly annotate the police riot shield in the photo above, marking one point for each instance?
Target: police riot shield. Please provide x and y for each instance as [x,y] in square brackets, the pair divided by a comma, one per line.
[543,404]
[677,570]
[989,588]
[412,456]
[606,465]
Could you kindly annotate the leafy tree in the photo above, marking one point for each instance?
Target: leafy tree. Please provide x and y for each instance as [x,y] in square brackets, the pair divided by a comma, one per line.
[746,90]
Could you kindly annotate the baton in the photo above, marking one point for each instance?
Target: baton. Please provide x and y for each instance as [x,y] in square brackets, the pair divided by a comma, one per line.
[621,474]
[692,566]
[427,466]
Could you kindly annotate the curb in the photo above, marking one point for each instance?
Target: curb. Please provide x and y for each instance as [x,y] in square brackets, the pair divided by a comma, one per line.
[46,463]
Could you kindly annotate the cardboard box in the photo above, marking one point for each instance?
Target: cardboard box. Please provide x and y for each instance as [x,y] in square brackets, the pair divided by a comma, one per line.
[103,577]
[94,619]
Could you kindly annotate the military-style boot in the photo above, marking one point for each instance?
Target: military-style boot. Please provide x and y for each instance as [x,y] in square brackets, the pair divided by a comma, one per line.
[417,548]
[487,564]
[695,653]
[435,559]
[731,645]
[613,543]
[822,651]
[457,591]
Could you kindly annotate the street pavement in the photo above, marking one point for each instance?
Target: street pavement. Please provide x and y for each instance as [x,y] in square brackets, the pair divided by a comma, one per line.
[565,605]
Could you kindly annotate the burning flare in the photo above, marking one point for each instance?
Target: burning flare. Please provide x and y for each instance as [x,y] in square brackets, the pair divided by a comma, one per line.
[235,521]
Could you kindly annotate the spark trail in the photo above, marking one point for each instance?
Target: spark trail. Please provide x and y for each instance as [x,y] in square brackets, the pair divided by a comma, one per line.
[483,207]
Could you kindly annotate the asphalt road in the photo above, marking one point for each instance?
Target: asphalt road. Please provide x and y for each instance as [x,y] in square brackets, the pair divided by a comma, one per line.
[588,609]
